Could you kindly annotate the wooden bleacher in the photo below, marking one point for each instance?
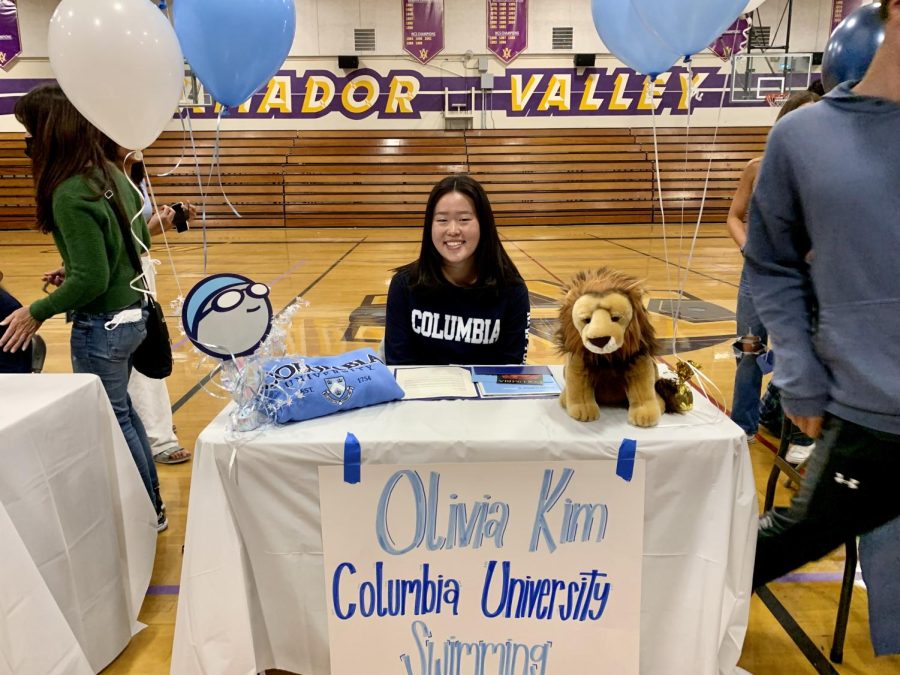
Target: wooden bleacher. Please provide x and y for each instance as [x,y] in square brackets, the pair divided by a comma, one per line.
[382,178]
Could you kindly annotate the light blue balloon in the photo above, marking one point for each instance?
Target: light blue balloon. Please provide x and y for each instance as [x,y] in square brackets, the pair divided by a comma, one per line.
[688,26]
[852,46]
[235,46]
[629,39]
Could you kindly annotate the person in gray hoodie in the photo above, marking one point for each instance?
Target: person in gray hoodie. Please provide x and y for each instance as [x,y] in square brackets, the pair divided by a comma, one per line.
[822,260]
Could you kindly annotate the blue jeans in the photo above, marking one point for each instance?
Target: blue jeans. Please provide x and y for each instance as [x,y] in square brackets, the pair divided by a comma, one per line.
[107,354]
[748,376]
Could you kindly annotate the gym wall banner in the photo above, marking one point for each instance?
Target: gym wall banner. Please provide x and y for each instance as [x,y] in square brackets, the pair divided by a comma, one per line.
[423,29]
[841,9]
[10,38]
[507,28]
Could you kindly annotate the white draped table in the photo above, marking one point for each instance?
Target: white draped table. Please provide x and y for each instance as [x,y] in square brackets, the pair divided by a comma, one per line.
[253,589]
[77,530]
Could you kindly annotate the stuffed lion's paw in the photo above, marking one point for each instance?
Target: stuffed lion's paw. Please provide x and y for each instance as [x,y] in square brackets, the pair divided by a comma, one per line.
[583,412]
[646,415]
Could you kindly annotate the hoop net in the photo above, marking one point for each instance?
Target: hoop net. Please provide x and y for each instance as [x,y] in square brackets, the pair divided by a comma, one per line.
[776,99]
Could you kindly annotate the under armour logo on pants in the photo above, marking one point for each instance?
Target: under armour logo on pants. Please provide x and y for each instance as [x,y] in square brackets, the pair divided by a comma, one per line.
[851,483]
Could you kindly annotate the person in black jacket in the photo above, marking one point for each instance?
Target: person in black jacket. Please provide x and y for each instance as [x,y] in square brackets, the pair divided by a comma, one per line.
[462,301]
[17,361]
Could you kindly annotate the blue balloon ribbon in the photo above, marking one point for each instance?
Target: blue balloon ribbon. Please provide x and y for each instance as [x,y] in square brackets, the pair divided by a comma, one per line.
[625,462]
[352,459]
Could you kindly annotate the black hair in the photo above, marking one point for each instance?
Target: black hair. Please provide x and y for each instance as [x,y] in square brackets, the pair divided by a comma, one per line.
[111,149]
[817,87]
[65,145]
[493,266]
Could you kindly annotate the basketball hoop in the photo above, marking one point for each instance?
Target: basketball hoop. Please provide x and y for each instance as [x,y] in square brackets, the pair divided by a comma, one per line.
[776,99]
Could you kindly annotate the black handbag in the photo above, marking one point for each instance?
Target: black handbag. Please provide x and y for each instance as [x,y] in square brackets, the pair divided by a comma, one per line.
[153,357]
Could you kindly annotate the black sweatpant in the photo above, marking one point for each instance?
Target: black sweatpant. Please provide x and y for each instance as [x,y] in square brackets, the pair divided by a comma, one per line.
[852,485]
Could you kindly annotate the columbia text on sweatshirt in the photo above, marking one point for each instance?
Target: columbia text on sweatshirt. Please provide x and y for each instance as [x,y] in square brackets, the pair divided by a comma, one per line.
[455,325]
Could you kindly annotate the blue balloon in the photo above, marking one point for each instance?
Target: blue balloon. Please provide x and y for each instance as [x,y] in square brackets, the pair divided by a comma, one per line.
[629,40]
[688,26]
[851,46]
[235,46]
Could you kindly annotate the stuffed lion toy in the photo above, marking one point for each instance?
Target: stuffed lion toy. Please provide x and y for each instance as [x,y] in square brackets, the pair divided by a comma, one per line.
[609,344]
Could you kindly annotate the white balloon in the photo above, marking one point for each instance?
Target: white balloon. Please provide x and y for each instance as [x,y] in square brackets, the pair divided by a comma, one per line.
[120,64]
[753,4]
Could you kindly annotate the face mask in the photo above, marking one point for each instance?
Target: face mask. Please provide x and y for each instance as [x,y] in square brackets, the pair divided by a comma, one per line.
[29,141]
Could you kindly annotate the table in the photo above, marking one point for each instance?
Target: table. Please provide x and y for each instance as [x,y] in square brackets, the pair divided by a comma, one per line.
[253,590]
[77,531]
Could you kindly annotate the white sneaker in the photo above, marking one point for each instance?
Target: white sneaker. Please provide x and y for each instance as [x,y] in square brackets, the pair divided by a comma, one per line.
[797,454]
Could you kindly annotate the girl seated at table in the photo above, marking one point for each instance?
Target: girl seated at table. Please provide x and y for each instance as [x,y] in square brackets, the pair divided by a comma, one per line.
[462,301]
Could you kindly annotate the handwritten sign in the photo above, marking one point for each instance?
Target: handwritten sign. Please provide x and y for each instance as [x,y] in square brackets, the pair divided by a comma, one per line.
[524,568]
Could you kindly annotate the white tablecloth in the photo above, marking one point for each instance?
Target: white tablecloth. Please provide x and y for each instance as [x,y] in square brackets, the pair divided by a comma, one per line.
[253,590]
[77,530]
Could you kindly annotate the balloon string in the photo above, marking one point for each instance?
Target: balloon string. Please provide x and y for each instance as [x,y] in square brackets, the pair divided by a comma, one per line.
[165,238]
[200,186]
[183,148]
[687,266]
[662,209]
[140,242]
[687,141]
[216,165]
[680,291]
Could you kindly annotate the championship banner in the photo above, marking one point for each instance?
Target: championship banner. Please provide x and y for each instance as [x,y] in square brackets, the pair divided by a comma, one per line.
[423,28]
[733,40]
[476,568]
[507,28]
[841,9]
[10,38]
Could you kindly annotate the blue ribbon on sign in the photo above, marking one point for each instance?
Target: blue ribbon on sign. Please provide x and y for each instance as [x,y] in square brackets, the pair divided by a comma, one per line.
[352,457]
[625,463]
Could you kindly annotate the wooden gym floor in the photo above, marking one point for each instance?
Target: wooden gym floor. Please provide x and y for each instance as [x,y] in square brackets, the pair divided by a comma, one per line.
[343,275]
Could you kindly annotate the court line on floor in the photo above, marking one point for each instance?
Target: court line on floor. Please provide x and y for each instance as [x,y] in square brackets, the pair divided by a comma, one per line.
[614,242]
[815,577]
[535,260]
[206,378]
[816,658]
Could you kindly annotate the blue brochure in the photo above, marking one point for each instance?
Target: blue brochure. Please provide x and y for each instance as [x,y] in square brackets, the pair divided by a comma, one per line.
[514,381]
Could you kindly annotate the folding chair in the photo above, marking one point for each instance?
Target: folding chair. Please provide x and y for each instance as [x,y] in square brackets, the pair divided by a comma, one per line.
[38,353]
[781,465]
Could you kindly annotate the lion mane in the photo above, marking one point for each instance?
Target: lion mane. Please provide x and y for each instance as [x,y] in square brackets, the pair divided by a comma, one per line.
[607,375]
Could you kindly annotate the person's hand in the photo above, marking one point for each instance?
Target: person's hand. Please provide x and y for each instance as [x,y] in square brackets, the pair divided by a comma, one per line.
[161,220]
[811,426]
[20,328]
[166,216]
[191,210]
[55,277]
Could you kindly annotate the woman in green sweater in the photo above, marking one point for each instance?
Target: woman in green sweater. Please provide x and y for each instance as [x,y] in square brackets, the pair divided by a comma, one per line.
[71,176]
